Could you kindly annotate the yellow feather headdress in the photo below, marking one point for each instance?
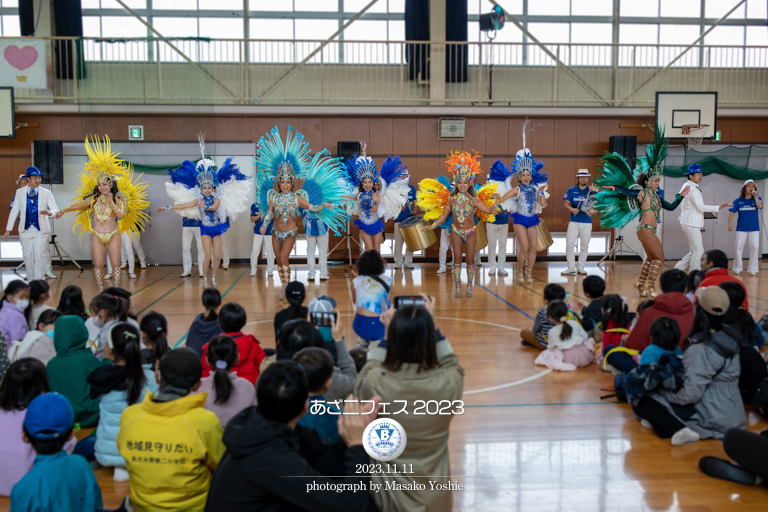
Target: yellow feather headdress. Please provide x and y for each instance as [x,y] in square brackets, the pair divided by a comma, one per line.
[102,164]
[463,165]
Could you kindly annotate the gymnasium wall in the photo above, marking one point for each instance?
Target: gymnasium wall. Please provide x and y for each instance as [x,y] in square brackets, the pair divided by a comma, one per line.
[564,144]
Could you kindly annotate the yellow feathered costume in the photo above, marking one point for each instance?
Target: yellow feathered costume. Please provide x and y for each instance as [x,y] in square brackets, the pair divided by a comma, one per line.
[103,164]
[432,196]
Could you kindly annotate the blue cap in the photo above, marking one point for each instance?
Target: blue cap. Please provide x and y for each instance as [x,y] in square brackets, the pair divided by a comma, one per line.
[49,416]
[33,171]
[693,169]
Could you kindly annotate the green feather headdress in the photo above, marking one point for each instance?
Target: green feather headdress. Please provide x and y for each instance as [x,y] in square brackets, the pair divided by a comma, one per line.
[652,163]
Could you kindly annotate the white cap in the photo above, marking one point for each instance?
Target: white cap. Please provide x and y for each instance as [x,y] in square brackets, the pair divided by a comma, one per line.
[583,173]
[749,182]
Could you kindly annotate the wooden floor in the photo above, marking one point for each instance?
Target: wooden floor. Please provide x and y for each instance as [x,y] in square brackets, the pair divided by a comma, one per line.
[530,439]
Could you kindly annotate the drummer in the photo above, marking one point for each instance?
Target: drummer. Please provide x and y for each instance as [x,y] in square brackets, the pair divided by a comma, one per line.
[578,200]
[408,210]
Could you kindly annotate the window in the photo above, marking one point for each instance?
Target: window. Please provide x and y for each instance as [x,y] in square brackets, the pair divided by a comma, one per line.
[133,4]
[550,8]
[592,7]
[549,33]
[640,8]
[755,9]
[681,8]
[718,8]
[680,36]
[224,5]
[354,6]
[169,5]
[10,25]
[589,54]
[641,35]
[726,35]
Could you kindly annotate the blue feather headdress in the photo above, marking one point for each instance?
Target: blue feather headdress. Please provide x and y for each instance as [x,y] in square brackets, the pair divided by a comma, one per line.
[360,167]
[393,170]
[276,160]
[525,162]
[499,171]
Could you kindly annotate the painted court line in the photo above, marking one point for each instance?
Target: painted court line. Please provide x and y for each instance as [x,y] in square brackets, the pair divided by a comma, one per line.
[505,301]
[510,384]
[139,292]
[542,404]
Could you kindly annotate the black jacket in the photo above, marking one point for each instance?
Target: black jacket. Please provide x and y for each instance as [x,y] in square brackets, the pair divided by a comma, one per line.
[252,473]
[592,314]
[200,332]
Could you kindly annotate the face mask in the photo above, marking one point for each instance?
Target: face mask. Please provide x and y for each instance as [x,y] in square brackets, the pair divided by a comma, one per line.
[22,303]
[50,334]
[98,322]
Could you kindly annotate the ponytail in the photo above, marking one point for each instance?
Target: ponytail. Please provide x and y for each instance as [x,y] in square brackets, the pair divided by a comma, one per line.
[123,339]
[558,310]
[113,304]
[211,301]
[155,328]
[222,356]
[37,289]
[615,309]
[12,289]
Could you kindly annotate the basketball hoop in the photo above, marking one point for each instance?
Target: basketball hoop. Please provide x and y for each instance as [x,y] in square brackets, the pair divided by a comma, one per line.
[695,134]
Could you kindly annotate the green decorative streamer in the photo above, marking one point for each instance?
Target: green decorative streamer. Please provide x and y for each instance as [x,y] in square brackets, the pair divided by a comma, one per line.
[730,161]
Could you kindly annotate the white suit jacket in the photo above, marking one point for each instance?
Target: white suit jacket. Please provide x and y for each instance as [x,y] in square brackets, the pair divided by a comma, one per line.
[692,208]
[45,201]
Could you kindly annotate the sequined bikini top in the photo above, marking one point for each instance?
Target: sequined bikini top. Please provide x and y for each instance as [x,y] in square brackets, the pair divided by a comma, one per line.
[526,200]
[102,213]
[366,213]
[286,205]
[463,207]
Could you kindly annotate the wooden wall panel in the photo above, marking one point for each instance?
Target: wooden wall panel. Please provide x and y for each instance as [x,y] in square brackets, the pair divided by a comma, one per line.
[381,141]
[404,135]
[742,130]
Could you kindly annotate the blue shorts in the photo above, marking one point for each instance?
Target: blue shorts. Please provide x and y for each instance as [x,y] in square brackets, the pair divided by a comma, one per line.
[368,328]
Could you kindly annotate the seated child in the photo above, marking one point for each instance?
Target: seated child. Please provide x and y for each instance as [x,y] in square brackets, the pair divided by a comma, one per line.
[68,372]
[318,366]
[206,324]
[232,319]
[38,343]
[117,386]
[171,445]
[569,345]
[154,337]
[665,334]
[228,394]
[592,314]
[536,337]
[57,481]
[24,382]
[617,320]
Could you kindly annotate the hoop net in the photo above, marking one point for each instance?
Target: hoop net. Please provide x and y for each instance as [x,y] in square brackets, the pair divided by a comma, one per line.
[695,134]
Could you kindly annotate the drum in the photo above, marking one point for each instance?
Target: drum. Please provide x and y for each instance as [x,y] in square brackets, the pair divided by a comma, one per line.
[591,212]
[482,236]
[545,239]
[415,238]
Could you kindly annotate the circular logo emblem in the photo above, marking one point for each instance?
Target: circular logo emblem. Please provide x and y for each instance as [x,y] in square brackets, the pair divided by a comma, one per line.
[384,439]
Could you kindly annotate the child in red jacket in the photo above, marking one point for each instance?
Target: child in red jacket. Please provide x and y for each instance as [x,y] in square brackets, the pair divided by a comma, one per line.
[232,319]
[616,320]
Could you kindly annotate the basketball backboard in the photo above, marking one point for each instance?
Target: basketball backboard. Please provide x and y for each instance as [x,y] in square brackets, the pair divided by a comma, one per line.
[7,113]
[675,109]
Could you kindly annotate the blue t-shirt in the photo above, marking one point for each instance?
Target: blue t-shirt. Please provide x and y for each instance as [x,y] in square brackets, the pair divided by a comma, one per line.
[408,206]
[257,226]
[748,214]
[501,218]
[190,223]
[575,195]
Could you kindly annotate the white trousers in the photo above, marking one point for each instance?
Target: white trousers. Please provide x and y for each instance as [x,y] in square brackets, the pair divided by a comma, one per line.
[37,253]
[321,243]
[753,237]
[399,242]
[225,249]
[497,236]
[445,244]
[583,232]
[126,252]
[693,258]
[262,242]
[187,234]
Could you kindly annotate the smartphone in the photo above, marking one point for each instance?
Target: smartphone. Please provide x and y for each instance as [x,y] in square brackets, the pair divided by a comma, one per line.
[409,300]
[323,319]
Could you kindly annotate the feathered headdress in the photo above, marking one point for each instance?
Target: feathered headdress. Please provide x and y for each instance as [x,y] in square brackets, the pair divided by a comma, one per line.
[652,163]
[205,169]
[102,164]
[276,161]
[360,167]
[525,162]
[463,165]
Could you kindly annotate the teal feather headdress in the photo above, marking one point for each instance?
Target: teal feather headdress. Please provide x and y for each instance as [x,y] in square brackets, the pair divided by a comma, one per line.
[652,163]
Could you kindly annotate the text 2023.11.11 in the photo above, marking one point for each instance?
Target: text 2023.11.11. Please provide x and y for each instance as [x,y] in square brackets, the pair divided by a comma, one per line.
[387,469]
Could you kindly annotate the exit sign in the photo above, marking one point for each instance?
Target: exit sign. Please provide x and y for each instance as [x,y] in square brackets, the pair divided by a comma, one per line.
[718,135]
[135,133]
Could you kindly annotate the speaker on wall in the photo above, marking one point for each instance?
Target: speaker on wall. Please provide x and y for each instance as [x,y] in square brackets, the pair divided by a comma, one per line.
[347,149]
[626,146]
[49,158]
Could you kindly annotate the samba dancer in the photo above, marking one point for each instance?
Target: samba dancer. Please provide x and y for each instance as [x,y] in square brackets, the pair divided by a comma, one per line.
[110,204]
[438,202]
[692,218]
[324,187]
[578,199]
[32,205]
[381,195]
[618,183]
[528,199]
[201,191]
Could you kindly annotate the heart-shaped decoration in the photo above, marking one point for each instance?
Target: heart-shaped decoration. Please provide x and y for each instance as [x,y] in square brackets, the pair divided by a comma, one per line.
[20,58]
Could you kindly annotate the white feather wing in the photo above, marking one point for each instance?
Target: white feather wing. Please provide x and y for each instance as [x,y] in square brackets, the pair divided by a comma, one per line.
[393,198]
[182,195]
[234,197]
[510,204]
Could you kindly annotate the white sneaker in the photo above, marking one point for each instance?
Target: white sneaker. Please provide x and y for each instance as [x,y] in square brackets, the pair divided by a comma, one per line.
[121,475]
[270,270]
[646,423]
[441,270]
[325,277]
[225,268]
[582,271]
[132,275]
[143,264]
[409,265]
[311,276]
[753,274]
[51,275]
[108,276]
[186,273]
[124,265]
[684,435]
[500,271]
[253,272]
[568,272]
